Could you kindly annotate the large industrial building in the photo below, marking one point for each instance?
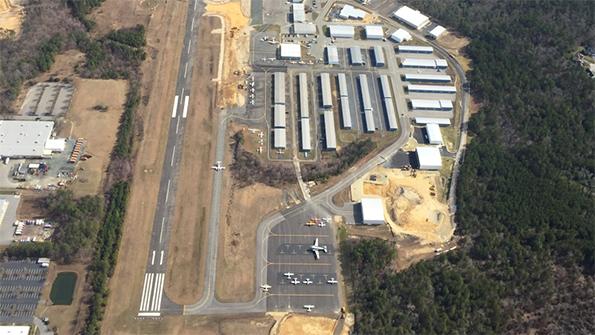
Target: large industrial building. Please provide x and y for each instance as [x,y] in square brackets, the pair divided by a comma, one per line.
[441,78]
[279,116]
[400,35]
[28,139]
[299,12]
[355,53]
[304,28]
[429,158]
[350,12]
[332,55]
[305,132]
[366,103]
[304,100]
[431,89]
[434,134]
[329,130]
[445,105]
[387,99]
[290,51]
[437,31]
[372,211]
[279,138]
[374,32]
[279,89]
[415,49]
[424,63]
[325,88]
[411,17]
[344,100]
[341,31]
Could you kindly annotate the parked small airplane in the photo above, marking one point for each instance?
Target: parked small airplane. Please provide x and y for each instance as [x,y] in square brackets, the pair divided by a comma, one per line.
[295,281]
[265,287]
[317,249]
[307,281]
[321,224]
[218,166]
[332,281]
[288,274]
[309,308]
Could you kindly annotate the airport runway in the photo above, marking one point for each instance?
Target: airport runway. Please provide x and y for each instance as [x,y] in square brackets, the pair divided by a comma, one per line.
[153,301]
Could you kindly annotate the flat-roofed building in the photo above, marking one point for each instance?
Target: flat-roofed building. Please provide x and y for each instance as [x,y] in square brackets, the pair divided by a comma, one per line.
[429,158]
[329,130]
[345,112]
[385,87]
[325,88]
[27,139]
[419,49]
[350,12]
[306,144]
[341,31]
[279,138]
[304,99]
[437,31]
[304,28]
[372,211]
[438,121]
[411,17]
[378,56]
[279,87]
[15,330]
[355,54]
[400,35]
[434,134]
[389,108]
[431,104]
[279,116]
[413,77]
[299,12]
[342,83]
[365,92]
[432,89]
[424,63]
[290,51]
[332,55]
[374,32]
[370,124]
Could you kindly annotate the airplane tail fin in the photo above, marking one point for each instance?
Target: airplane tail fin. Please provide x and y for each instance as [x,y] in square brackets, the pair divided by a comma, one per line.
[325,250]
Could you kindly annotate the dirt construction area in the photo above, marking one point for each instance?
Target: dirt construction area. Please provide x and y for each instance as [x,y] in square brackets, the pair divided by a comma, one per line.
[237,239]
[84,120]
[296,324]
[11,16]
[410,201]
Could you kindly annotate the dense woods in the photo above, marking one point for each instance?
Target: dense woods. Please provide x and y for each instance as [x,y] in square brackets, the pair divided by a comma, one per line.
[525,192]
[345,158]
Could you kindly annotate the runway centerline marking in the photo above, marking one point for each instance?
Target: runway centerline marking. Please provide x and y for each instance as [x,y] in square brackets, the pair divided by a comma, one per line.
[185,69]
[167,191]
[189,44]
[185,110]
[161,233]
[178,126]
[175,109]
[173,154]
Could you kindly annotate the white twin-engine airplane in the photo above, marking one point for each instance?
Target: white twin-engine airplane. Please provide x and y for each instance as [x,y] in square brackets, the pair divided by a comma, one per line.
[265,287]
[317,249]
[309,308]
[218,166]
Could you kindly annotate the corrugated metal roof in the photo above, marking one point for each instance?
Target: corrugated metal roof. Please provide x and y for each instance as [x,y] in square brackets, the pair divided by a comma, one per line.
[305,131]
[390,114]
[365,92]
[279,116]
[304,101]
[329,130]
[434,135]
[385,87]
[341,31]
[332,55]
[374,32]
[415,49]
[412,17]
[419,62]
[279,80]
[279,140]
[432,88]
[346,112]
[426,77]
[342,84]
[356,55]
[426,120]
[431,104]
[304,28]
[299,12]
[325,87]
[370,125]
[378,56]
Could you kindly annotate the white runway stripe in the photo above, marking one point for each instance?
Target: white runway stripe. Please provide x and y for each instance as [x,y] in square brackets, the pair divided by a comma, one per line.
[156,306]
[144,293]
[185,111]
[175,108]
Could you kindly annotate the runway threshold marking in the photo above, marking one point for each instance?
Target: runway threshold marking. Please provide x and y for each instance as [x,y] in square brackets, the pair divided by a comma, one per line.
[175,108]
[152,294]
[185,110]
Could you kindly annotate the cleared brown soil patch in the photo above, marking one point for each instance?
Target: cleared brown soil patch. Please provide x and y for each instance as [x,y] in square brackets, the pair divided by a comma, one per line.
[97,128]
[194,184]
[237,239]
[67,319]
[300,324]
[116,14]
[31,206]
[11,17]
[164,38]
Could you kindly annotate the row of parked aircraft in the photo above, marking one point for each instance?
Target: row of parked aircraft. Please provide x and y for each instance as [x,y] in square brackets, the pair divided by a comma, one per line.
[307,281]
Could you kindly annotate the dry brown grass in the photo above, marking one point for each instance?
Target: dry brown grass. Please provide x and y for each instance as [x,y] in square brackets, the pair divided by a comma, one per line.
[11,17]
[297,324]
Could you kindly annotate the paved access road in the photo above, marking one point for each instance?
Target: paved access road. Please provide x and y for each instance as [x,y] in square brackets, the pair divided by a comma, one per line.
[153,301]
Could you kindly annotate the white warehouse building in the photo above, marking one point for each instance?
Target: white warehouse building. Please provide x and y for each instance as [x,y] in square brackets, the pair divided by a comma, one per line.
[429,158]
[411,17]
[290,51]
[374,32]
[434,135]
[332,55]
[350,12]
[341,31]
[400,35]
[28,139]
[372,211]
[437,32]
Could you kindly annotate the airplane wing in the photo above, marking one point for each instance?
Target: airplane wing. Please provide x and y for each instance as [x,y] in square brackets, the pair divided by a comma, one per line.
[316,253]
[316,242]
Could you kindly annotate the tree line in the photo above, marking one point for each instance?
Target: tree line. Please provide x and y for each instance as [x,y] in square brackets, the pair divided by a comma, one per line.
[525,192]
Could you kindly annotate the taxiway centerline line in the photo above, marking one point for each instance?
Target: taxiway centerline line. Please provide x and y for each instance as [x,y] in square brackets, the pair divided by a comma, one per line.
[175,108]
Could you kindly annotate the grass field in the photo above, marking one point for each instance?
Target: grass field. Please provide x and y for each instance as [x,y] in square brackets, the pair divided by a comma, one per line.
[63,288]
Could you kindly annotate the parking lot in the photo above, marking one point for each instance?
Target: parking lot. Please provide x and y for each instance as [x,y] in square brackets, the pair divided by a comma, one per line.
[21,283]
[289,251]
